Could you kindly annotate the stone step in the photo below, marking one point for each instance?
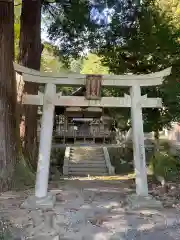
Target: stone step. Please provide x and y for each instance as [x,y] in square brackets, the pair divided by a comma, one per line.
[87,153]
[99,164]
[87,148]
[84,169]
[87,165]
[86,174]
[87,156]
[87,169]
[86,159]
[87,162]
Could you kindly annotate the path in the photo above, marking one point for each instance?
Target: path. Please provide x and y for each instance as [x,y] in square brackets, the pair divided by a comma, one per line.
[89,210]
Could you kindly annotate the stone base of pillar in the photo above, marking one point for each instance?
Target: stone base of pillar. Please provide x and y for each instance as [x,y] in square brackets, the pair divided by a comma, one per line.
[135,202]
[33,202]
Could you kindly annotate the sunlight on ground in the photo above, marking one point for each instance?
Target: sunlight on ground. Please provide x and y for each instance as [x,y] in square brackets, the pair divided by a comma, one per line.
[105,178]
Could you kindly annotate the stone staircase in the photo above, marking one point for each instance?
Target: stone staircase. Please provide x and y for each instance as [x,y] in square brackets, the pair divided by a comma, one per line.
[84,161]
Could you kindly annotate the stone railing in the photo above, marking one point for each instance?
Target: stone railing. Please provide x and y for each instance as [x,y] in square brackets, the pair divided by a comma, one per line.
[110,168]
[66,161]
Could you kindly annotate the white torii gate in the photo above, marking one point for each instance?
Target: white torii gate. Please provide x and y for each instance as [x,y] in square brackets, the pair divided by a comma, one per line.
[50,99]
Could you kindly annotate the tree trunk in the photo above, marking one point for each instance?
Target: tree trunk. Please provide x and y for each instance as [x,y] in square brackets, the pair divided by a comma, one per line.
[30,56]
[8,153]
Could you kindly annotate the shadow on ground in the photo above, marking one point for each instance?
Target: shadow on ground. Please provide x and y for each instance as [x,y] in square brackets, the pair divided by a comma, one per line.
[90,209]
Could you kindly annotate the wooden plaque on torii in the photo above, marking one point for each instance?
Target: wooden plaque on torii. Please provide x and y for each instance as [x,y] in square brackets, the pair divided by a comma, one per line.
[93,87]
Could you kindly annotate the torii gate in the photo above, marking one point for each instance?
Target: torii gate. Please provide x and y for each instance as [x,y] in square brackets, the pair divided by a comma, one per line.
[50,99]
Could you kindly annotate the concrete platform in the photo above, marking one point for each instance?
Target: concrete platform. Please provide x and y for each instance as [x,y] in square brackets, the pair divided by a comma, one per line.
[33,202]
[134,202]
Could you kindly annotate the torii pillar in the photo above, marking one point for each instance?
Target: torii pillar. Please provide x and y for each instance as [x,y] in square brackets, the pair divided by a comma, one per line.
[141,198]
[42,198]
[138,142]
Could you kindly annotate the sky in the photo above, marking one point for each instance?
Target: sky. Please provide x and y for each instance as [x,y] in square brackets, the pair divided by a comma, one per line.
[103,18]
[44,35]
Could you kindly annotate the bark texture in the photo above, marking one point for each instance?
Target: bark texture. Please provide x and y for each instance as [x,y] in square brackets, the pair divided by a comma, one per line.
[30,56]
[8,153]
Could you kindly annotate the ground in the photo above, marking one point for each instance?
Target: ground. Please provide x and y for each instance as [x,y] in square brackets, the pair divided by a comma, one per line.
[88,209]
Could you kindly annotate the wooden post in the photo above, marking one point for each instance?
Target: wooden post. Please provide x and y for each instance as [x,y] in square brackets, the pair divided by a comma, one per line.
[94,137]
[104,139]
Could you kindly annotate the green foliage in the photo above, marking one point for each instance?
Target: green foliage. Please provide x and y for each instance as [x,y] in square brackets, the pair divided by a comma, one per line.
[165,145]
[121,158]
[17,13]
[153,44]
[151,47]
[92,65]
[165,165]
[49,62]
[52,63]
[75,28]
[76,65]
[69,23]
[171,8]
[5,232]
[57,158]
[144,39]
[169,91]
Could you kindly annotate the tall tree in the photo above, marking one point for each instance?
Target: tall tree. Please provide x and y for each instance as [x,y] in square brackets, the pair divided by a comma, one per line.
[82,25]
[8,153]
[151,47]
[30,49]
[30,55]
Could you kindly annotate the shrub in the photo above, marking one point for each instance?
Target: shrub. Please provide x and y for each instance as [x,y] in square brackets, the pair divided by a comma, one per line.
[57,158]
[165,145]
[164,165]
[5,232]
[122,158]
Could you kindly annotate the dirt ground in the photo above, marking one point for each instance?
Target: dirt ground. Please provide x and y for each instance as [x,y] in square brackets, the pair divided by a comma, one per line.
[87,209]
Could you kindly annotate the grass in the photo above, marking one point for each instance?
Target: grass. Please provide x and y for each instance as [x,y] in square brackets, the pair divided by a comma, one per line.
[24,177]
